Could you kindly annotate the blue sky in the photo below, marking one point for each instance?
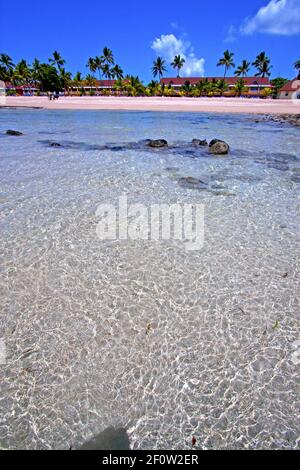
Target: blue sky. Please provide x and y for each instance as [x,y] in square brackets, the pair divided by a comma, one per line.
[138,31]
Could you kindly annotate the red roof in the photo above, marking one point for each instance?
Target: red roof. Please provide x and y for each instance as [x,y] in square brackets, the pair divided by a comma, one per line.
[96,83]
[229,80]
[27,86]
[292,85]
[105,83]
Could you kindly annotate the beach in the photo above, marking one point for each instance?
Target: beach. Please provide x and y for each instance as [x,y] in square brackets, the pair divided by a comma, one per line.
[214,105]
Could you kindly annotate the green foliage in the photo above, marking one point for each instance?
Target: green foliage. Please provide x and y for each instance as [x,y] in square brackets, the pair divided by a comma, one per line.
[243,69]
[10,92]
[267,92]
[178,63]
[226,61]
[158,67]
[277,84]
[6,67]
[221,86]
[297,67]
[21,74]
[240,87]
[154,88]
[56,60]
[49,78]
[262,64]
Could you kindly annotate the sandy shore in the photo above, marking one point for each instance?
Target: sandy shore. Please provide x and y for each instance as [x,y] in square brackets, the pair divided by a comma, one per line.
[216,105]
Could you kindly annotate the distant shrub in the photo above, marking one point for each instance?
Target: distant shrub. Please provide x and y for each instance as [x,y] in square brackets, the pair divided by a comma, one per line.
[267,92]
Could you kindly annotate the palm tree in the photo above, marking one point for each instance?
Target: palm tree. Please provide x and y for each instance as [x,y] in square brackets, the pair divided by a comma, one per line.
[261,59]
[264,70]
[159,67]
[6,65]
[240,87]
[22,73]
[117,72]
[243,69]
[187,88]
[202,86]
[77,80]
[91,65]
[154,87]
[178,63]
[226,61]
[90,80]
[65,78]
[107,56]
[35,68]
[107,71]
[98,64]
[133,86]
[57,60]
[221,86]
[297,67]
[262,64]
[77,77]
[94,64]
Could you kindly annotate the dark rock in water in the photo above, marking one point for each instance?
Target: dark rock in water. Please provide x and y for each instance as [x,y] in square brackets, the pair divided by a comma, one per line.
[218,147]
[109,439]
[115,148]
[55,144]
[11,132]
[172,168]
[201,143]
[157,143]
[282,157]
[192,183]
[223,193]
[295,178]
[218,186]
[278,166]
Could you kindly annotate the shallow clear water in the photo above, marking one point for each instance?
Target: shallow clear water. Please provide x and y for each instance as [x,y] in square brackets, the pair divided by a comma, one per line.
[220,360]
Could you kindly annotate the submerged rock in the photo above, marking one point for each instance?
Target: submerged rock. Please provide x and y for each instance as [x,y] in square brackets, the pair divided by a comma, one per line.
[55,144]
[296,179]
[12,132]
[109,439]
[218,147]
[201,143]
[192,183]
[157,143]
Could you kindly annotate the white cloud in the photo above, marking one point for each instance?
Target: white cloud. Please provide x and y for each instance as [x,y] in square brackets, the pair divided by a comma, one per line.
[231,35]
[281,17]
[168,45]
[174,25]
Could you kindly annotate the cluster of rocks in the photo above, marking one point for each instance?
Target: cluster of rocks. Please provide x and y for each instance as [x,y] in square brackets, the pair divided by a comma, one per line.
[215,147]
[293,119]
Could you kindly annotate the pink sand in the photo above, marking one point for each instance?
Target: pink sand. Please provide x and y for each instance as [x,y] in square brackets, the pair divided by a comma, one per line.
[216,105]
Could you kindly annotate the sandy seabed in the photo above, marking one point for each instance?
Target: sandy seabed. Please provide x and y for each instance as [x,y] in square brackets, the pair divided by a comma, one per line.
[216,105]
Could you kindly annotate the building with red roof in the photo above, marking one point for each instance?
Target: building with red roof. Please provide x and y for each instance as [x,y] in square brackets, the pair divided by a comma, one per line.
[97,85]
[21,90]
[290,91]
[254,84]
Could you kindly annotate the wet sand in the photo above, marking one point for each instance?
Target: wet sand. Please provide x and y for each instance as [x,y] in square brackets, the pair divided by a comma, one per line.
[216,105]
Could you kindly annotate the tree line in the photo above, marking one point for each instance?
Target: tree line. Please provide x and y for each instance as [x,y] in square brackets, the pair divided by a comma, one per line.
[53,76]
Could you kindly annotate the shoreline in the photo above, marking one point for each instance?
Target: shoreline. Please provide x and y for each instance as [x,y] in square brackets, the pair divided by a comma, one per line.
[163,104]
